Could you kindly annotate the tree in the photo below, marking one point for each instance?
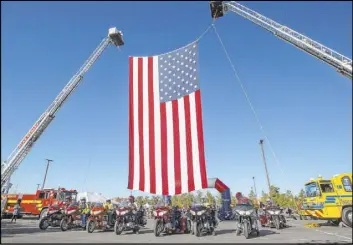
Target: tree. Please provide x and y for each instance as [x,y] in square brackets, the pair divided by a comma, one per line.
[219,199]
[252,195]
[210,198]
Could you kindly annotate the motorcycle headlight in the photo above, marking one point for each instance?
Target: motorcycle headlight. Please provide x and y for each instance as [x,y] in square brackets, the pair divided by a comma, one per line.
[249,212]
[162,213]
[201,212]
[154,213]
[271,212]
[277,212]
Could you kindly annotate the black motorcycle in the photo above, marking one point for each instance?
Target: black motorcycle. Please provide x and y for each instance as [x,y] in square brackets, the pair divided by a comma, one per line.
[275,218]
[126,220]
[246,220]
[52,218]
[203,220]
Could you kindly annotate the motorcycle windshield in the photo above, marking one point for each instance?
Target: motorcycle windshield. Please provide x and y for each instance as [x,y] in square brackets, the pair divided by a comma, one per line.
[160,204]
[197,207]
[243,207]
[123,205]
[74,204]
[98,205]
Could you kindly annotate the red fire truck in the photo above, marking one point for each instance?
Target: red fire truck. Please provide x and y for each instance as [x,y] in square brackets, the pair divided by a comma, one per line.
[36,204]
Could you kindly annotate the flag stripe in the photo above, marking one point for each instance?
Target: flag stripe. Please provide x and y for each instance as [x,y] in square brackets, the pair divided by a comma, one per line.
[191,185]
[200,139]
[170,153]
[164,149]
[183,158]
[131,125]
[136,125]
[145,99]
[157,127]
[177,173]
[195,143]
[140,123]
[151,126]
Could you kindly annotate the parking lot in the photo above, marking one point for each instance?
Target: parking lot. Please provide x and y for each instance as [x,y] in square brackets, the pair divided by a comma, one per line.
[25,231]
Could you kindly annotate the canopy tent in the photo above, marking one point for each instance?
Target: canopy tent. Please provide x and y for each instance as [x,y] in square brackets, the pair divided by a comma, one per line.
[92,197]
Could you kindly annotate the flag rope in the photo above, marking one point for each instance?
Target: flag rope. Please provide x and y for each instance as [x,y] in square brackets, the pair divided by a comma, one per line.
[247,97]
[251,105]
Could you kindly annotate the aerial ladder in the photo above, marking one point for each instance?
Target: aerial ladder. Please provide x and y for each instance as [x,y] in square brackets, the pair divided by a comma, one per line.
[115,37]
[342,64]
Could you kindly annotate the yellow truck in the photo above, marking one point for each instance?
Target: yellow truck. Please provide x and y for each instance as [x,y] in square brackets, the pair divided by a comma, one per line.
[330,199]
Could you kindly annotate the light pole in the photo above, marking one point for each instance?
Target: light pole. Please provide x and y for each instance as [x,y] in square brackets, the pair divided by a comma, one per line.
[264,159]
[46,172]
[253,178]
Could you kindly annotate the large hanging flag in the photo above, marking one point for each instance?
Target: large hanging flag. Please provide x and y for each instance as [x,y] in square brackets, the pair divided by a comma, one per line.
[166,146]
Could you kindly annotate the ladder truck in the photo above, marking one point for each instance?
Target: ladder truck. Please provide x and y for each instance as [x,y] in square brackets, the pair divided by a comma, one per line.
[342,64]
[115,37]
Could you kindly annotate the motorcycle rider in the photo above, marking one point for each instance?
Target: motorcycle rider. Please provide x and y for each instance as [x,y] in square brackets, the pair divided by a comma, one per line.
[84,212]
[108,206]
[173,213]
[242,200]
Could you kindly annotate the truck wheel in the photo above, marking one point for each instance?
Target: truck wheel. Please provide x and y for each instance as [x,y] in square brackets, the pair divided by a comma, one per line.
[43,213]
[347,216]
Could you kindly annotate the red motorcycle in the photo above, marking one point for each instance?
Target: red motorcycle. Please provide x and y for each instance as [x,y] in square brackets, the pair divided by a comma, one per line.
[52,217]
[72,217]
[99,219]
[163,221]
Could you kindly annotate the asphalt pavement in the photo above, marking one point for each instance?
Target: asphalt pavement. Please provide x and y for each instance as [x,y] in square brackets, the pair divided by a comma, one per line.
[25,231]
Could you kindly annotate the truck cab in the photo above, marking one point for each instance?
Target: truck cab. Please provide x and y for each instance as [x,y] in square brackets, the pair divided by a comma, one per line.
[330,199]
[37,204]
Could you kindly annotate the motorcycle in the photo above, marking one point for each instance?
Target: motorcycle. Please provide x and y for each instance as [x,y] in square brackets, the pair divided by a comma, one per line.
[72,217]
[52,218]
[98,219]
[126,219]
[246,220]
[275,218]
[203,220]
[163,220]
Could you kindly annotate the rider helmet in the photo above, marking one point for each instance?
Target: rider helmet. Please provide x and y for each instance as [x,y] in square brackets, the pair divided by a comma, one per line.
[238,195]
[108,201]
[83,199]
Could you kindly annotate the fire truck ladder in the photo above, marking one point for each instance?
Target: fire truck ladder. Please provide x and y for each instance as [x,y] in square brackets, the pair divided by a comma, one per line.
[114,37]
[338,61]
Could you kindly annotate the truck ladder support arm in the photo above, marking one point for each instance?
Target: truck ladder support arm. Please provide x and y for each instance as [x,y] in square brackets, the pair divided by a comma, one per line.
[340,62]
[17,156]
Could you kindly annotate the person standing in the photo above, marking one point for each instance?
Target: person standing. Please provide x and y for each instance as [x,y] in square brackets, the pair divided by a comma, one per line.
[16,210]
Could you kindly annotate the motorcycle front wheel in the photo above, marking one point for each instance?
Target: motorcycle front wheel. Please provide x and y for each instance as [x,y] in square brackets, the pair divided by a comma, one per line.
[277,223]
[198,228]
[246,229]
[91,226]
[44,224]
[118,227]
[158,227]
[64,224]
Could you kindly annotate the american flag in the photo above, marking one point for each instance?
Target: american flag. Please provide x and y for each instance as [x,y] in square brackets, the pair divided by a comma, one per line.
[166,146]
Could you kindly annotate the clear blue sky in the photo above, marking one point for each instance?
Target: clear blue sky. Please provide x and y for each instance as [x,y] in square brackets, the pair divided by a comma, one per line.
[304,105]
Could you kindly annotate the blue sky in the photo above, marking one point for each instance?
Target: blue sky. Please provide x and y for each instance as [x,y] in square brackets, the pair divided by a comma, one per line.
[304,105]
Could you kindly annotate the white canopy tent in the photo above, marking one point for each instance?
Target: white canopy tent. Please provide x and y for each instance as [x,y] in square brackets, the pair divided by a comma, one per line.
[92,197]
